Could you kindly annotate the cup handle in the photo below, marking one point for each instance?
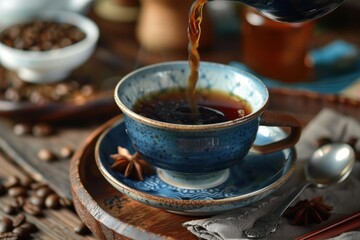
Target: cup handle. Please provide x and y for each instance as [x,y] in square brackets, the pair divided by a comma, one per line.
[278,119]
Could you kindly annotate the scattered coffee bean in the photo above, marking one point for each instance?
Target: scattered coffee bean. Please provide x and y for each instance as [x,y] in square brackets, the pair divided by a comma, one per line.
[32,209]
[26,181]
[52,201]
[12,95]
[2,190]
[10,209]
[82,229]
[23,233]
[37,201]
[87,90]
[42,130]
[17,191]
[6,225]
[19,220]
[46,155]
[66,152]
[9,236]
[21,129]
[20,201]
[30,226]
[64,202]
[11,181]
[43,192]
[37,185]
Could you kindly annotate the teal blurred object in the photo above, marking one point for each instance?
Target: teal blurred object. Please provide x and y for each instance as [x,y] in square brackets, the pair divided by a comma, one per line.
[337,66]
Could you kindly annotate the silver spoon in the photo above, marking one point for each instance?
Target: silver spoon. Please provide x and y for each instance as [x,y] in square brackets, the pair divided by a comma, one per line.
[330,164]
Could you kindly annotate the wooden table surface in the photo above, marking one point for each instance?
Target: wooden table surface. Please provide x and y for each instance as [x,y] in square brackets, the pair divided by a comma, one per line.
[19,154]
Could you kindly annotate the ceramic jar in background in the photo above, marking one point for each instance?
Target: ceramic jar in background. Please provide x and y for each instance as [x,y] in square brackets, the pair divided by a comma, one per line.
[118,10]
[162,25]
[276,50]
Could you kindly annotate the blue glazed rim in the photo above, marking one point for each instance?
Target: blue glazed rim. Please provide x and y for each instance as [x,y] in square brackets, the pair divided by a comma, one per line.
[183,205]
[128,112]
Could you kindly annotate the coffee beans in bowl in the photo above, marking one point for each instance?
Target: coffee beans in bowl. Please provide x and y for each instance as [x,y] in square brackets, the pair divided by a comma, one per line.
[40,35]
[47,47]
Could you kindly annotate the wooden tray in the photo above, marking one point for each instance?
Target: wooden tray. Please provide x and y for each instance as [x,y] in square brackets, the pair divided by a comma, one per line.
[110,214]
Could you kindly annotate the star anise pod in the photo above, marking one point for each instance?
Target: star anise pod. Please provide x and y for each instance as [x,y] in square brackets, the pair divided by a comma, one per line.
[307,212]
[131,165]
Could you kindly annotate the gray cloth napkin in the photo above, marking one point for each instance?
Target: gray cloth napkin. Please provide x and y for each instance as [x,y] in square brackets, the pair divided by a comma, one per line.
[344,197]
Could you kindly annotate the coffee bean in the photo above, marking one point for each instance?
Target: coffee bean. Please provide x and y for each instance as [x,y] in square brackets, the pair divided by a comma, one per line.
[52,201]
[46,155]
[21,129]
[17,191]
[6,225]
[32,209]
[19,201]
[9,236]
[66,152]
[43,192]
[82,229]
[64,202]
[37,185]
[19,220]
[11,181]
[26,181]
[30,226]
[42,130]
[24,233]
[37,201]
[12,95]
[2,190]
[10,209]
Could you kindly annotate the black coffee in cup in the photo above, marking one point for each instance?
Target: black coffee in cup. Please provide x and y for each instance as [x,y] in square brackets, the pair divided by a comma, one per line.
[171,106]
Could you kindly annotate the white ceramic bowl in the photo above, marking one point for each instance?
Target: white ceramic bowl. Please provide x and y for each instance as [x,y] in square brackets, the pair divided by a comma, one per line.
[53,65]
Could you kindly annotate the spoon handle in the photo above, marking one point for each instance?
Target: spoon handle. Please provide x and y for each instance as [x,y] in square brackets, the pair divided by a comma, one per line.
[269,222]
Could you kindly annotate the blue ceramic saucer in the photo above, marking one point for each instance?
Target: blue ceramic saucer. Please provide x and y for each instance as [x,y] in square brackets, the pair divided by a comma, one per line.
[254,178]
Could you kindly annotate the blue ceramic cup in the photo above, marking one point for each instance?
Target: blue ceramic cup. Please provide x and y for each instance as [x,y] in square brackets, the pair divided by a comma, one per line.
[198,156]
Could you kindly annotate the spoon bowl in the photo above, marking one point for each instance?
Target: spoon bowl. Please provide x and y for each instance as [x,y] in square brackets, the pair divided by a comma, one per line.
[329,164]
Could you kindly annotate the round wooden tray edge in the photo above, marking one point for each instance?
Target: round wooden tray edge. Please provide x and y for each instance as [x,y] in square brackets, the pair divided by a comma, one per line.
[86,207]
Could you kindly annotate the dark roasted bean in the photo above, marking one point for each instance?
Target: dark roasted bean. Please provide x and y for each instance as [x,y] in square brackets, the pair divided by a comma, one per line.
[17,191]
[37,185]
[66,152]
[19,220]
[9,236]
[10,209]
[11,181]
[43,192]
[52,201]
[2,190]
[32,209]
[82,229]
[24,233]
[42,130]
[46,155]
[19,201]
[22,129]
[36,200]
[64,202]
[30,226]
[6,225]
[26,181]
